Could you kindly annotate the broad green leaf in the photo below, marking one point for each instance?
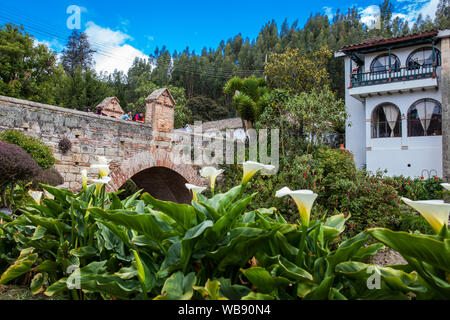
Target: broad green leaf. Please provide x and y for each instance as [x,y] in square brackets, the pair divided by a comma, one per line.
[258,296]
[370,250]
[37,283]
[178,287]
[211,290]
[21,266]
[39,233]
[264,281]
[50,224]
[84,252]
[146,223]
[232,292]
[184,214]
[189,241]
[422,247]
[391,280]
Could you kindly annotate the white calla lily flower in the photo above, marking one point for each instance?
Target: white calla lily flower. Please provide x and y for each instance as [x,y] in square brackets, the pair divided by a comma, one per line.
[100,182]
[36,195]
[304,199]
[84,177]
[48,195]
[195,190]
[102,166]
[446,186]
[436,212]
[251,168]
[211,173]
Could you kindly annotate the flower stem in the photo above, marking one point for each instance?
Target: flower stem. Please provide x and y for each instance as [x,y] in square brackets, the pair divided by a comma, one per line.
[301,245]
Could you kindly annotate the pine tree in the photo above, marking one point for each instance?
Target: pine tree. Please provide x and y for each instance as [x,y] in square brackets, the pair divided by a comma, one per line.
[78,53]
[443,14]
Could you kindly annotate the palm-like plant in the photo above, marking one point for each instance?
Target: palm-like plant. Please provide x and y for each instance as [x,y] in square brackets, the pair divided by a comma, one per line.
[248,96]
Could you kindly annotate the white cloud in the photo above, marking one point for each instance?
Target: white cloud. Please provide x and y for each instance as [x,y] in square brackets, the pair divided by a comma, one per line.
[370,15]
[406,9]
[112,51]
[328,12]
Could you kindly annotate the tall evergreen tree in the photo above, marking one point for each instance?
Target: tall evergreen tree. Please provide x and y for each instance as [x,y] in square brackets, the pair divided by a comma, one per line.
[78,53]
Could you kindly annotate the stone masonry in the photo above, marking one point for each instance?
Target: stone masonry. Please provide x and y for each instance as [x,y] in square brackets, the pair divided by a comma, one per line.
[131,147]
[445,88]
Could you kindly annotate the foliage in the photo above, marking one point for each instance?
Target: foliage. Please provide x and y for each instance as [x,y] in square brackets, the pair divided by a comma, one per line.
[49,176]
[205,109]
[298,72]
[417,189]
[26,70]
[77,54]
[40,152]
[17,165]
[247,96]
[64,145]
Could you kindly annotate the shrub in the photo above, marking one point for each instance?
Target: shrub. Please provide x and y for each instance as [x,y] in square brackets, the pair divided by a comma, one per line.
[205,109]
[64,145]
[40,152]
[16,165]
[341,187]
[49,177]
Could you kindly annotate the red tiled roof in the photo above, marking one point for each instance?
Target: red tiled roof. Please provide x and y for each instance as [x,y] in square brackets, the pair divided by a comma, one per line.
[380,41]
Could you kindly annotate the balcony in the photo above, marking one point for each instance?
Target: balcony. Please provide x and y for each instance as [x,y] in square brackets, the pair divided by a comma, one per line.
[412,78]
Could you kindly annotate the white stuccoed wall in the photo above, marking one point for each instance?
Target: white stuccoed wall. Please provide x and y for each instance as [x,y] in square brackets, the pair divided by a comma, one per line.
[408,156]
[355,139]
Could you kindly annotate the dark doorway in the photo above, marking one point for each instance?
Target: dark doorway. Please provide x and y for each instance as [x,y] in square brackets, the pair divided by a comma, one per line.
[164,184]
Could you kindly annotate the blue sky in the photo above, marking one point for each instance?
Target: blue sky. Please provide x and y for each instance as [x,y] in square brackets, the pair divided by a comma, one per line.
[122,30]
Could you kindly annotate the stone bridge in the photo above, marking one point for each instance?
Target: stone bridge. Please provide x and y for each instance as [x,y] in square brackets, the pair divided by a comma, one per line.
[140,151]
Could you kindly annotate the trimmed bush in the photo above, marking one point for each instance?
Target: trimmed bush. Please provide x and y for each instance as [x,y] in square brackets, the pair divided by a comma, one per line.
[49,177]
[16,165]
[40,152]
[64,145]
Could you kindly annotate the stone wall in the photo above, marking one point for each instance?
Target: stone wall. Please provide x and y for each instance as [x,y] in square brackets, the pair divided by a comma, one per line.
[445,88]
[91,135]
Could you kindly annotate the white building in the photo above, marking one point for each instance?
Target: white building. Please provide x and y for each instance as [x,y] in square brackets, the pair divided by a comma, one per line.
[394,95]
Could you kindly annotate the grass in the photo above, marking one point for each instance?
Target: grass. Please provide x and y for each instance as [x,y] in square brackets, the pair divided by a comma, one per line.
[21,293]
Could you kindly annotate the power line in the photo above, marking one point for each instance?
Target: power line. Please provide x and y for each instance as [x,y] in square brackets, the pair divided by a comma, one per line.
[104,50]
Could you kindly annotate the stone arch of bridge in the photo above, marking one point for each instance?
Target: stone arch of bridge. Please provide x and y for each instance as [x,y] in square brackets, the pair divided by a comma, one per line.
[154,172]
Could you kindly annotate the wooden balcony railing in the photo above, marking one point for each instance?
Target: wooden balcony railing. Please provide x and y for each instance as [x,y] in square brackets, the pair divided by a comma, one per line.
[393,75]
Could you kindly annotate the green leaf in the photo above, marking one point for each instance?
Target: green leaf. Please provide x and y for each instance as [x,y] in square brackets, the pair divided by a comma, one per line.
[189,240]
[421,247]
[232,292]
[264,281]
[50,224]
[183,214]
[178,287]
[258,296]
[84,252]
[146,223]
[392,281]
[211,290]
[21,266]
[37,283]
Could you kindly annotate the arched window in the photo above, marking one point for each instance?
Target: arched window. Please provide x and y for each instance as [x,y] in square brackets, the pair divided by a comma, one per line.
[381,63]
[425,118]
[423,57]
[386,121]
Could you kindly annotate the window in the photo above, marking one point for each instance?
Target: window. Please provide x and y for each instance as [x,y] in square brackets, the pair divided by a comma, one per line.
[386,121]
[425,118]
[423,57]
[381,63]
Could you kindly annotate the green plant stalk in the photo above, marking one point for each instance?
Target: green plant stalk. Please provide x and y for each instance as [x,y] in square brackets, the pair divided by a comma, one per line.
[301,246]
